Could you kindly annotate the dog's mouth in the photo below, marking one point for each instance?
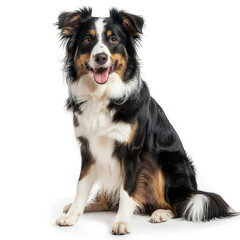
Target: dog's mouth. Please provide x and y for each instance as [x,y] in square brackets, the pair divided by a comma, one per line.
[101,74]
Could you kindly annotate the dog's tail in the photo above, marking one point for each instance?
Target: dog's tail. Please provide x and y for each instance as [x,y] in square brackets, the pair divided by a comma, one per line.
[203,206]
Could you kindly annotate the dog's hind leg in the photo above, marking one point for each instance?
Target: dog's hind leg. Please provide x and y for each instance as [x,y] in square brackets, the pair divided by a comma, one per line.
[101,202]
[91,207]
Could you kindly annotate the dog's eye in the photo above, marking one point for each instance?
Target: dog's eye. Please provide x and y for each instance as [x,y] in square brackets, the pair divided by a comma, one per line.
[87,40]
[113,39]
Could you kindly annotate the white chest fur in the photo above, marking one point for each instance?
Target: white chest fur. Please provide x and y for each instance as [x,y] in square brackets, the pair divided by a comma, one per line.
[96,120]
[95,123]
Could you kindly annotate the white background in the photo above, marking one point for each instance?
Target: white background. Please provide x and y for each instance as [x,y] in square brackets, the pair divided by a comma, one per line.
[190,58]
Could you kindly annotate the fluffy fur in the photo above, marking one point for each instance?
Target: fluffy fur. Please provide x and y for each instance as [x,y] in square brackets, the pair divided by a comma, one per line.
[127,143]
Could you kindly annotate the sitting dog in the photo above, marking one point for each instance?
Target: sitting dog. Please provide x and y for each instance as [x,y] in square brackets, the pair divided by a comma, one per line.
[127,143]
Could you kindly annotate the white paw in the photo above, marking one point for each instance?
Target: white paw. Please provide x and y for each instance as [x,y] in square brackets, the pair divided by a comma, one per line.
[121,228]
[67,220]
[161,215]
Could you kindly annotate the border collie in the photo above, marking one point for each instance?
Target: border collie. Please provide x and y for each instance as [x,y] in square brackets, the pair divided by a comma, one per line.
[127,144]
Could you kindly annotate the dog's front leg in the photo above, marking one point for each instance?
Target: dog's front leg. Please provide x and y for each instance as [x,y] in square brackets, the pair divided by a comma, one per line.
[83,189]
[127,205]
[126,208]
[84,186]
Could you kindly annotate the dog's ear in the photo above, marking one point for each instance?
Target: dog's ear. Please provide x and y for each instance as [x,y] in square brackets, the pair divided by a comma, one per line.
[69,21]
[131,23]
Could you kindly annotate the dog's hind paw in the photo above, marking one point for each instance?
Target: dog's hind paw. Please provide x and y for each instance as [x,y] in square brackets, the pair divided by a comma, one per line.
[161,215]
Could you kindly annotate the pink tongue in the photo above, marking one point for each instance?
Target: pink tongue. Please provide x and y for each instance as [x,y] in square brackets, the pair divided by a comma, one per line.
[101,76]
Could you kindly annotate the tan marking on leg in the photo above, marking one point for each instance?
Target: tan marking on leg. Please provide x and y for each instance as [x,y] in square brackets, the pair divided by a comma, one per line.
[96,207]
[150,184]
[91,207]
[101,202]
[160,191]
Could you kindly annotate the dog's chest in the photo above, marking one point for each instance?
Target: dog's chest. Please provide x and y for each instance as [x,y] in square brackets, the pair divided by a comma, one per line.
[96,121]
[93,118]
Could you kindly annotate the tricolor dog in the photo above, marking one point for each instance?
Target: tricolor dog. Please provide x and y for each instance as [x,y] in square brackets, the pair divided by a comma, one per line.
[128,146]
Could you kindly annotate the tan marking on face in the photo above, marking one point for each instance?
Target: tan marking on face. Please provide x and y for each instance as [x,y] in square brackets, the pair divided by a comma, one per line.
[122,63]
[93,32]
[109,33]
[150,184]
[80,63]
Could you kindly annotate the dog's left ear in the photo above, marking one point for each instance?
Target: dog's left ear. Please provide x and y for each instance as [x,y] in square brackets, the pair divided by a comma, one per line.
[131,23]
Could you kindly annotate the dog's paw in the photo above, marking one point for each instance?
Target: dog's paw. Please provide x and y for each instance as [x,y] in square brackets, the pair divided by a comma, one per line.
[161,215]
[121,228]
[67,220]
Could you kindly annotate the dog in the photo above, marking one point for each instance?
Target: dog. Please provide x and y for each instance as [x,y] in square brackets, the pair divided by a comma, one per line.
[127,143]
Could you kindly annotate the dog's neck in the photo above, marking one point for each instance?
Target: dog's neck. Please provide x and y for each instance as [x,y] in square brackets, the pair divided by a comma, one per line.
[86,89]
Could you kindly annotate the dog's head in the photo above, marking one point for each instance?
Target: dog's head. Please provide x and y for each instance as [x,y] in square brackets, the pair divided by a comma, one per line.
[100,47]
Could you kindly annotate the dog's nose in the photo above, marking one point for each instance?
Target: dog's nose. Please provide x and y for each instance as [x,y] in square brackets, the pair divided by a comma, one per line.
[101,58]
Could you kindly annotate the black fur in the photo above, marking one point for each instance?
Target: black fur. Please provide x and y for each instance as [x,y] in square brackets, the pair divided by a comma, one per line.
[73,106]
[87,158]
[156,135]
